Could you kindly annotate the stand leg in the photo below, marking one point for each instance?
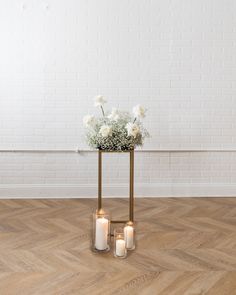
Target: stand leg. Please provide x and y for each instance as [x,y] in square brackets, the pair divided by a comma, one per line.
[131,187]
[99,180]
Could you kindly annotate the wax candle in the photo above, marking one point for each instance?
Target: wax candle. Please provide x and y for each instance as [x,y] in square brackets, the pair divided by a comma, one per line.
[120,247]
[129,236]
[101,233]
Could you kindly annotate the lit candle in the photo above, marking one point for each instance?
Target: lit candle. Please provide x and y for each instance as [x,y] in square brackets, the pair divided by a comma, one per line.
[101,233]
[129,236]
[120,247]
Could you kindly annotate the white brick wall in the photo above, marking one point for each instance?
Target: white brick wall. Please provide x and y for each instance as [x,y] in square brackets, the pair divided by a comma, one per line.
[177,57]
[156,174]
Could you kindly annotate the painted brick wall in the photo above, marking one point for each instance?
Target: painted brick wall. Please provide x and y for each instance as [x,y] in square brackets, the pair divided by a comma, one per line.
[176,57]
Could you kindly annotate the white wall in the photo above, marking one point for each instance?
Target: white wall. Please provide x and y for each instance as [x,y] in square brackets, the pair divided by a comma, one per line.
[175,57]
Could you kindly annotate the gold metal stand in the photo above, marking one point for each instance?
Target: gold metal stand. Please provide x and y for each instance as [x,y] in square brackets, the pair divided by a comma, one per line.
[131,183]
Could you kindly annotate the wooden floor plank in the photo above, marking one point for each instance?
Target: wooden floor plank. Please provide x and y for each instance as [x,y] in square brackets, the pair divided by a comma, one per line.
[185,246]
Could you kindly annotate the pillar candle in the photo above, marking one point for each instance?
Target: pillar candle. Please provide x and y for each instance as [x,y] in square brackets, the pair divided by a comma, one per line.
[101,233]
[120,247]
[129,236]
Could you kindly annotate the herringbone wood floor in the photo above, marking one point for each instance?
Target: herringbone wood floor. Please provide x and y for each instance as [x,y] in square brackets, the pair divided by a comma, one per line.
[186,246]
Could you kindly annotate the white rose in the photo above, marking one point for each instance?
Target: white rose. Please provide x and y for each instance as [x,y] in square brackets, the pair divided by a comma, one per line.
[139,111]
[105,131]
[114,115]
[99,101]
[132,129]
[89,120]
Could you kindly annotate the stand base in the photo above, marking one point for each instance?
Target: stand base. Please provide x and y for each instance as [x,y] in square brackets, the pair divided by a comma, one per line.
[95,250]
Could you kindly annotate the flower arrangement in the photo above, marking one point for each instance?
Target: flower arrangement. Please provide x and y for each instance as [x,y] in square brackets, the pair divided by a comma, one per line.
[116,130]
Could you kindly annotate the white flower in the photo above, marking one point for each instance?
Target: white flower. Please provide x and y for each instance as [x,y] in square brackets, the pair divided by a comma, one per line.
[99,101]
[114,115]
[139,111]
[132,129]
[88,120]
[105,131]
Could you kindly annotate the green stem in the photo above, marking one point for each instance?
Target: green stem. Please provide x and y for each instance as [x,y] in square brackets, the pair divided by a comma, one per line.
[103,111]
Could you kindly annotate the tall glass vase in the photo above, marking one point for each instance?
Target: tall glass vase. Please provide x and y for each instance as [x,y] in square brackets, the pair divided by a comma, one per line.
[101,231]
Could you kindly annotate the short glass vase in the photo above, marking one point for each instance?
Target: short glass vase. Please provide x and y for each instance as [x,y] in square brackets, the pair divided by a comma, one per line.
[129,233]
[119,243]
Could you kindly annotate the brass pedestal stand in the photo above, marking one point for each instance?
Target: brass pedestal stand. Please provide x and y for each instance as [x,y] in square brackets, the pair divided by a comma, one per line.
[131,184]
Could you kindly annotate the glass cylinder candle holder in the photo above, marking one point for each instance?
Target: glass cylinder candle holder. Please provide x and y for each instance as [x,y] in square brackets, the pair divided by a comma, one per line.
[101,231]
[119,243]
[129,234]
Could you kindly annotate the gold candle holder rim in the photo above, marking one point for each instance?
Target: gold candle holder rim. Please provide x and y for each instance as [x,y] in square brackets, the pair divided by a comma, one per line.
[130,223]
[100,211]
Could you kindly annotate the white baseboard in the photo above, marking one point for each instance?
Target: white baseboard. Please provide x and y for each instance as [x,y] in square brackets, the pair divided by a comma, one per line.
[14,191]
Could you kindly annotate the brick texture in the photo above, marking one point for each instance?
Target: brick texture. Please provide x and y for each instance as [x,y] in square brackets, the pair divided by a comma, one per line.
[175,57]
